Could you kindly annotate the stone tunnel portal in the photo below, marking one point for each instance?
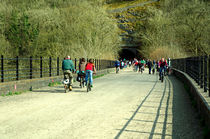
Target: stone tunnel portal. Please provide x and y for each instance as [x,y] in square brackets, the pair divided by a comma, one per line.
[128,53]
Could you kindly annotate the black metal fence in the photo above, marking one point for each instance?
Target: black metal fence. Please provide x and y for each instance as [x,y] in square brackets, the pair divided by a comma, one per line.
[196,67]
[29,68]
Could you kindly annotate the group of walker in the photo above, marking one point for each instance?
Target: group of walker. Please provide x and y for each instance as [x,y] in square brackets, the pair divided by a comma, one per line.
[86,70]
[161,66]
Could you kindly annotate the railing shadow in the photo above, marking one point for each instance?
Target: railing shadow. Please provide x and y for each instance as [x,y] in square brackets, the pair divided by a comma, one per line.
[132,117]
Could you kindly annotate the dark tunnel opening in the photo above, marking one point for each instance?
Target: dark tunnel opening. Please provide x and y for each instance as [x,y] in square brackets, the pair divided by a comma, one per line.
[128,54]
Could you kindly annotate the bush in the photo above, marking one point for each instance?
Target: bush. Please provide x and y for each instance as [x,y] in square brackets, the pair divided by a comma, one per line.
[176,29]
[80,28]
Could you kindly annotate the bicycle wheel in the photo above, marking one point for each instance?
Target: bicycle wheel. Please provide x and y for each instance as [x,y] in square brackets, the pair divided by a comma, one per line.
[83,83]
[65,88]
[162,76]
[88,87]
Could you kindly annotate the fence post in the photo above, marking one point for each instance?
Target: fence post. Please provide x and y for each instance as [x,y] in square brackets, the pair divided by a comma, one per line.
[99,64]
[41,67]
[209,75]
[2,68]
[50,66]
[96,64]
[75,61]
[196,71]
[185,65]
[201,68]
[57,66]
[205,74]
[17,68]
[31,67]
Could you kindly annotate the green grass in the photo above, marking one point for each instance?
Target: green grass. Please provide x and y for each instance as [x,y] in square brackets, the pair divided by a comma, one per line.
[98,76]
[51,84]
[11,94]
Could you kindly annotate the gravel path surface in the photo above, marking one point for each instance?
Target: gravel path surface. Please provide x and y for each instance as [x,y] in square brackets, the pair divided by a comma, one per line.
[128,106]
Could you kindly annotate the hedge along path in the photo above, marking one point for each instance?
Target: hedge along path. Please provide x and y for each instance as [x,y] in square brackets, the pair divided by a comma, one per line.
[124,105]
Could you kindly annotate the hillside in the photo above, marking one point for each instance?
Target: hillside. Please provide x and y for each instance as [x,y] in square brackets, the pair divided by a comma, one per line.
[80,28]
[164,28]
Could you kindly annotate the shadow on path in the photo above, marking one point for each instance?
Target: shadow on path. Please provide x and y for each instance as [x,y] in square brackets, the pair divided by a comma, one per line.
[174,117]
[127,123]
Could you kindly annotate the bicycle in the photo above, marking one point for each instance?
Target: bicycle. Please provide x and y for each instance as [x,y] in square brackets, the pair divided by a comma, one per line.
[66,85]
[142,69]
[88,87]
[88,84]
[82,82]
[162,76]
[153,71]
[117,69]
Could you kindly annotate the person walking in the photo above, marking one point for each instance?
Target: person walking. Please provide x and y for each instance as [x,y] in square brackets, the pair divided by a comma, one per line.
[117,66]
[154,66]
[149,64]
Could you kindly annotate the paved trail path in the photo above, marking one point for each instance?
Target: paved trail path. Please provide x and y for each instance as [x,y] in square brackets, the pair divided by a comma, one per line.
[128,106]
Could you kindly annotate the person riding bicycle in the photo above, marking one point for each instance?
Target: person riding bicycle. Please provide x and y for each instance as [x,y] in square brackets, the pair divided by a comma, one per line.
[82,66]
[136,65]
[140,66]
[68,68]
[162,66]
[122,64]
[89,70]
[117,65]
[144,63]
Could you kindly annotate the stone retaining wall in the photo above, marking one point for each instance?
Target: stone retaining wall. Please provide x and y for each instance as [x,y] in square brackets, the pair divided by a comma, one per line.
[201,98]
[26,85]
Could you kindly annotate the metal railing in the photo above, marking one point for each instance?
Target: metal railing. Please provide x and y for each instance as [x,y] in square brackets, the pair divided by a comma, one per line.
[29,68]
[197,68]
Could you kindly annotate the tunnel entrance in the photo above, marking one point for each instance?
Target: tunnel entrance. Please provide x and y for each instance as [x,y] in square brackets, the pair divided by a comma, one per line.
[128,54]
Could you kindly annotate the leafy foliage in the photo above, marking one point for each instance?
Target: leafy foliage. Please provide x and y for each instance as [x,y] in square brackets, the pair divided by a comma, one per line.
[80,28]
[175,29]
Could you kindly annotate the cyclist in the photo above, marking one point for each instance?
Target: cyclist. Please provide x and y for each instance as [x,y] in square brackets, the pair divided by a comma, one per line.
[117,65]
[141,66]
[89,70]
[162,66]
[143,62]
[82,66]
[130,64]
[136,65]
[68,68]
[122,64]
